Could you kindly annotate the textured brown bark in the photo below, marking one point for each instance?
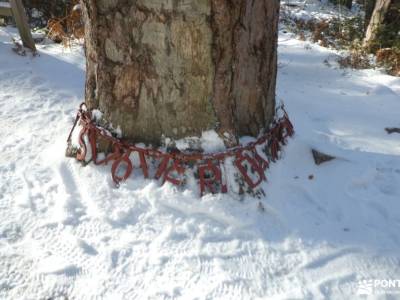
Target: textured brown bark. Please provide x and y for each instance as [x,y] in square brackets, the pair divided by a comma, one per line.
[179,67]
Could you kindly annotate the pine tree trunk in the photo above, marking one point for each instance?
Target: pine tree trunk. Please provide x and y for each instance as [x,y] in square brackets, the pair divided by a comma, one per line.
[177,68]
[377,19]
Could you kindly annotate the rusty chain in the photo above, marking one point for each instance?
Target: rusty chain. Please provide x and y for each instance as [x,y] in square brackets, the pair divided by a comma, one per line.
[172,166]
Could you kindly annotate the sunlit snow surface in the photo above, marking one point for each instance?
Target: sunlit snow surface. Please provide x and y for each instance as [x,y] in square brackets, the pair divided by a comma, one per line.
[66,231]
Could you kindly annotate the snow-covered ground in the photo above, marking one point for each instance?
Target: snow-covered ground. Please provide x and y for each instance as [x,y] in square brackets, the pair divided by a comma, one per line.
[316,10]
[67,233]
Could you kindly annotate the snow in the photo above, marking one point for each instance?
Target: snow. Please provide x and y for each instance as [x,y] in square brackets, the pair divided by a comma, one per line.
[209,141]
[66,231]
[5,4]
[307,10]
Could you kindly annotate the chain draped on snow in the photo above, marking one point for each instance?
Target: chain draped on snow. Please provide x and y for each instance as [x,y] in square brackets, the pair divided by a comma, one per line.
[251,160]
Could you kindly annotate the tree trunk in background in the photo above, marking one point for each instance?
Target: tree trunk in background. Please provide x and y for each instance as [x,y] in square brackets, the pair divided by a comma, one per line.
[177,68]
[369,9]
[347,3]
[377,19]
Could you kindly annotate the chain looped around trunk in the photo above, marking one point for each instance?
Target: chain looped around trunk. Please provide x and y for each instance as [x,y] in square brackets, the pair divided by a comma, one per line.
[251,160]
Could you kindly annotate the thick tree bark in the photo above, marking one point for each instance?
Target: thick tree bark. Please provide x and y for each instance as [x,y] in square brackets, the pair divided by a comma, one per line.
[179,67]
[377,19]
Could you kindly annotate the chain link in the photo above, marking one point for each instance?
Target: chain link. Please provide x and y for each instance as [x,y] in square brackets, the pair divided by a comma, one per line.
[172,166]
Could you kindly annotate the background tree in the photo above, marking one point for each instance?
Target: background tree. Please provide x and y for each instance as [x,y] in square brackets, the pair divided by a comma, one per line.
[177,68]
[377,19]
[40,11]
[384,25]
[347,3]
[369,9]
